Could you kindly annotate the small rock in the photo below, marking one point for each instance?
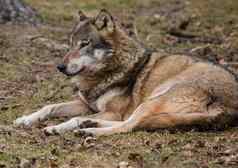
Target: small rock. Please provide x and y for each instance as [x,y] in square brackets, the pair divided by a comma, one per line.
[2,147]
[157,16]
[123,164]
[188,146]
[25,163]
[117,153]
[200,144]
[188,153]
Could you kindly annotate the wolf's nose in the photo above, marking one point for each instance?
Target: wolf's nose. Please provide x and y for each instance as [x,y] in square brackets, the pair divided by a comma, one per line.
[61,67]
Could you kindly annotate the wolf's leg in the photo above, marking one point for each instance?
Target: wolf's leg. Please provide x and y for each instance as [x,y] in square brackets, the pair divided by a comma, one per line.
[68,109]
[102,119]
[128,126]
[180,105]
[119,127]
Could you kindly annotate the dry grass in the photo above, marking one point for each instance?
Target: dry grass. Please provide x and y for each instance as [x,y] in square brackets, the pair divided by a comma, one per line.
[28,81]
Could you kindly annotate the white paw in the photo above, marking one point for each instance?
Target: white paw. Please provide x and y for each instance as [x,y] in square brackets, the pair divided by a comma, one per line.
[24,121]
[51,130]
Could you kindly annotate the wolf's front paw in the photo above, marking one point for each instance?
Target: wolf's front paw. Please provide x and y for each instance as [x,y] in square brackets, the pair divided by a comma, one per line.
[24,121]
[51,130]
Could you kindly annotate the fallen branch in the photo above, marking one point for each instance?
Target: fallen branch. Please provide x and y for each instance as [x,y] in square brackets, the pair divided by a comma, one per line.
[181,34]
[186,36]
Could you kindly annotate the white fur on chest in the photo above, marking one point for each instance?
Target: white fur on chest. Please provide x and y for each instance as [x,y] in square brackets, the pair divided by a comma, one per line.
[103,100]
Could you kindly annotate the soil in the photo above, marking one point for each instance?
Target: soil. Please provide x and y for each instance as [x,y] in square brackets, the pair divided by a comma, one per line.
[207,29]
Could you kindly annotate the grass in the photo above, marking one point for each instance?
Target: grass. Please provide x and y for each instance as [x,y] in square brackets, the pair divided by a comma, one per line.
[26,85]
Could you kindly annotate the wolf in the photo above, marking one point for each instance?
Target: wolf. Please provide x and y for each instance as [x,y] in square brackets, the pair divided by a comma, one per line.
[124,86]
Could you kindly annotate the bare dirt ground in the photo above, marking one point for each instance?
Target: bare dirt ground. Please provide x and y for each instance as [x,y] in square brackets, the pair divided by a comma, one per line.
[29,80]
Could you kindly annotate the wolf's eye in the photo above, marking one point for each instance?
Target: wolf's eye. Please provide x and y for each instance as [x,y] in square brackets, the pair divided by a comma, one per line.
[83,43]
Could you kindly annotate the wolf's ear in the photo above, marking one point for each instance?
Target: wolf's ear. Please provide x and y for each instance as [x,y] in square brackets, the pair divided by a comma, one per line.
[104,20]
[81,16]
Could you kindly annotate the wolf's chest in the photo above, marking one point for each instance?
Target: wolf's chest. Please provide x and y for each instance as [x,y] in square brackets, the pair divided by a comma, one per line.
[108,98]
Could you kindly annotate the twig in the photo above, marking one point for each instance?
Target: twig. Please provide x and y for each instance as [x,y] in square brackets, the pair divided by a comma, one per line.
[35,37]
[180,34]
[195,38]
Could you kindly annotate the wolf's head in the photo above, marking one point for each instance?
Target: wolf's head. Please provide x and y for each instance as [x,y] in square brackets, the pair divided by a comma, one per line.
[102,55]
[93,43]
